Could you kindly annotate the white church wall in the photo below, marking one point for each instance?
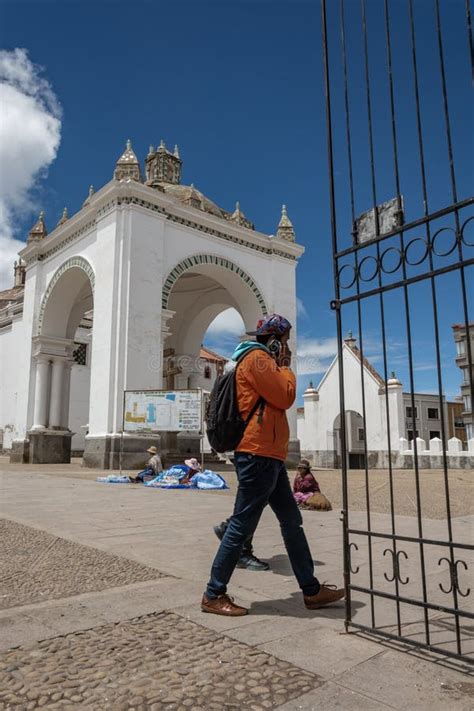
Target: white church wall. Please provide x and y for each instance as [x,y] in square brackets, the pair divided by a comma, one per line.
[79,404]
[11,384]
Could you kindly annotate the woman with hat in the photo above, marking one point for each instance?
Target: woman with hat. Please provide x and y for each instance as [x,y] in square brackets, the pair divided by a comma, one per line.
[306,489]
[153,467]
[192,467]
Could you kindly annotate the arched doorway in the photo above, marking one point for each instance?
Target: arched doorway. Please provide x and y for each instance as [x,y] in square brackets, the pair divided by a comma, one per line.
[355,436]
[196,292]
[62,355]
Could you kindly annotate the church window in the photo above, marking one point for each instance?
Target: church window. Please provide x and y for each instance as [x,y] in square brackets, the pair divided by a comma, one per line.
[207,372]
[80,353]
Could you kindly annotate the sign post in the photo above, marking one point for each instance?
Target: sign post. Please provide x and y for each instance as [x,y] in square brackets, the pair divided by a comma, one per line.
[155,411]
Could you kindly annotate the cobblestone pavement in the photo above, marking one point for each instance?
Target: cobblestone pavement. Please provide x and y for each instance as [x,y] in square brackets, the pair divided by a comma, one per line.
[158,661]
[36,566]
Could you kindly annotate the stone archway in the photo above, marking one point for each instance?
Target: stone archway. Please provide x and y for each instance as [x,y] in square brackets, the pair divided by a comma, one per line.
[195,292]
[67,299]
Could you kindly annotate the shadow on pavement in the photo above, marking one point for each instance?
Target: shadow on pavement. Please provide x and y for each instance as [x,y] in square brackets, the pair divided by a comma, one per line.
[293,607]
[280,564]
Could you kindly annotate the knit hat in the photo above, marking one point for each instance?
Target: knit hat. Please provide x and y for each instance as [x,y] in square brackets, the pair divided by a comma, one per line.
[272,325]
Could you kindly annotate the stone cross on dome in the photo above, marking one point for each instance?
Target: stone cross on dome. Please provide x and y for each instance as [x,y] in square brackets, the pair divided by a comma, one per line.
[285,227]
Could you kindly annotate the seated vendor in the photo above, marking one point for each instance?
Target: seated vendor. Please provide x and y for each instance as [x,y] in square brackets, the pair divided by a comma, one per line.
[304,485]
[153,467]
[190,468]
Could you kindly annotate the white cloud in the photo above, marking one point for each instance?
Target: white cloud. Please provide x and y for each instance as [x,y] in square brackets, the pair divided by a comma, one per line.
[228,322]
[300,308]
[314,355]
[30,133]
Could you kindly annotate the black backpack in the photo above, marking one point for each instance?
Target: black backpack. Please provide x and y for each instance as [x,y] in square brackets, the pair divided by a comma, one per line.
[225,426]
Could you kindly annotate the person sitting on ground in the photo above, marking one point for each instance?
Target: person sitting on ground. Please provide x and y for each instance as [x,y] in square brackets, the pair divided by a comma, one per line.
[306,489]
[153,467]
[190,468]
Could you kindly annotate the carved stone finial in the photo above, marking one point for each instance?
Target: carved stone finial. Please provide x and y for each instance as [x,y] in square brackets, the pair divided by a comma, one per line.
[89,195]
[162,146]
[176,150]
[151,150]
[19,273]
[285,227]
[64,218]
[127,166]
[38,231]
[350,340]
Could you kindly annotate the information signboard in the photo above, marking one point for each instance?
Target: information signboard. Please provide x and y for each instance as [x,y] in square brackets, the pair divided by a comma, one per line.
[150,411]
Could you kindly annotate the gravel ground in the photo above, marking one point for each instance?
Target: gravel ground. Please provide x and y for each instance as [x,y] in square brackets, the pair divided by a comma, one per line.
[35,566]
[432,491]
[159,661]
[432,487]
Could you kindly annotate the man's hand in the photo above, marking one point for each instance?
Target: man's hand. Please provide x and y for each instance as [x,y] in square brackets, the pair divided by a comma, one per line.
[284,358]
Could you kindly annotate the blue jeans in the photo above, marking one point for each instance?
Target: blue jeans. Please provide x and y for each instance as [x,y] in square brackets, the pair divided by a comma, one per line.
[262,481]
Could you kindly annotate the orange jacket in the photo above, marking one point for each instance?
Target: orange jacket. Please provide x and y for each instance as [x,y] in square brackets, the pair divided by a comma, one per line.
[259,376]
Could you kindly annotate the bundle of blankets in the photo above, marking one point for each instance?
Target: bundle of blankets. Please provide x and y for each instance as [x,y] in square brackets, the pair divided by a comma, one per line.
[172,479]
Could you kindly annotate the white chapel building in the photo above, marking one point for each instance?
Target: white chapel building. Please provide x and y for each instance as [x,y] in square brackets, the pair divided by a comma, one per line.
[386,435]
[118,297]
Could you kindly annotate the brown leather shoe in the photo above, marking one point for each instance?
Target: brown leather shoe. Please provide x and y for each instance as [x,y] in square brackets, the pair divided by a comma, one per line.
[222,605]
[327,595]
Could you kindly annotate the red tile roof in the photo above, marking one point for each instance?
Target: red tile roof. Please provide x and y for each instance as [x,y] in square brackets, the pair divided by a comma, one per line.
[209,355]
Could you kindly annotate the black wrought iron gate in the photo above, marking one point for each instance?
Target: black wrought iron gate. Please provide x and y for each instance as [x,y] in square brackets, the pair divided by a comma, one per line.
[397,82]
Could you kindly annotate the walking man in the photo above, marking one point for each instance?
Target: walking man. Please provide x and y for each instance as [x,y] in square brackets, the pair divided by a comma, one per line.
[263,374]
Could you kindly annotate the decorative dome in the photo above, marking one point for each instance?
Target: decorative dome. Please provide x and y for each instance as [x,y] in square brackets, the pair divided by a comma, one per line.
[190,195]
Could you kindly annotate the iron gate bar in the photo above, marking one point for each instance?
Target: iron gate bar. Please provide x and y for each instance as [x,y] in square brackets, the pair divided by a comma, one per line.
[454,192]
[469,36]
[409,226]
[433,291]
[403,284]
[406,640]
[359,311]
[332,210]
[395,554]
[417,603]
[411,539]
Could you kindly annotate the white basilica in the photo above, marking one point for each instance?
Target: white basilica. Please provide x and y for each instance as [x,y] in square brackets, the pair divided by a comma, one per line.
[118,297]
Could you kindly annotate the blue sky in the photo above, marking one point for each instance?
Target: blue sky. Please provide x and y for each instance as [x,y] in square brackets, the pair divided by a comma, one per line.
[239,86]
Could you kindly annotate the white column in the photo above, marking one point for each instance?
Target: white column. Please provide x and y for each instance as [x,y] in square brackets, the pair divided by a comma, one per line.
[40,418]
[55,408]
[311,419]
[65,396]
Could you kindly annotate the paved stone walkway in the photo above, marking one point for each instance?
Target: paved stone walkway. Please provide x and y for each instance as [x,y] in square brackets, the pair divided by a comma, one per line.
[159,661]
[170,533]
[35,566]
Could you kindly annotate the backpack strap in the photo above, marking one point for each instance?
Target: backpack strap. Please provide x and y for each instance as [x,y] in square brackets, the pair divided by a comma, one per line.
[259,404]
